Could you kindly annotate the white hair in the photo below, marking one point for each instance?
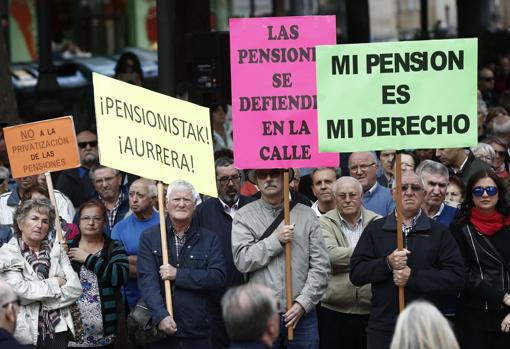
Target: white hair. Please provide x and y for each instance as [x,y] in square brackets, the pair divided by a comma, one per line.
[347,179]
[183,185]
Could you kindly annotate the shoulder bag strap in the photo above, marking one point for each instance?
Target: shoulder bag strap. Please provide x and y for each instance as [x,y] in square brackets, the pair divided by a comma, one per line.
[276,222]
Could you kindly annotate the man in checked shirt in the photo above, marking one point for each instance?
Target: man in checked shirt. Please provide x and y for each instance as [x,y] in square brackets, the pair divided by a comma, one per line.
[429,267]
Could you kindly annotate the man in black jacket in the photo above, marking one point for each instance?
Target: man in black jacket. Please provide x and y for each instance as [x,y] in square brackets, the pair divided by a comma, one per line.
[216,214]
[429,267]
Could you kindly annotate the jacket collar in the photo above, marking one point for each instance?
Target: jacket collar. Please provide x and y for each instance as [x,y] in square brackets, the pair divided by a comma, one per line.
[422,223]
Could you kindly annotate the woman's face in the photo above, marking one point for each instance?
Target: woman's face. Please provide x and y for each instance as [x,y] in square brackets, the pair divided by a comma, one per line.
[453,194]
[91,221]
[485,203]
[34,228]
[483,155]
[500,154]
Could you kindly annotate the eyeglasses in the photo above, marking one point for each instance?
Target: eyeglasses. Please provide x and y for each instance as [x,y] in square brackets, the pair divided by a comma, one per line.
[343,196]
[362,168]
[227,179]
[91,219]
[478,191]
[16,301]
[501,153]
[271,173]
[414,187]
[83,145]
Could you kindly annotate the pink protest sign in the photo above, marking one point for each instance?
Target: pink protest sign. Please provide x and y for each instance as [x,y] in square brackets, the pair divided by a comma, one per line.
[274,90]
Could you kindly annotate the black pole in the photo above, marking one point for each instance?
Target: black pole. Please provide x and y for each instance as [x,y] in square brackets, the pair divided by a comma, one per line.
[424,19]
[47,81]
[166,46]
[358,21]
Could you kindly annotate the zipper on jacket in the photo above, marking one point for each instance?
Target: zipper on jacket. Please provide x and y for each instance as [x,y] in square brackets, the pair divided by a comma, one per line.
[357,294]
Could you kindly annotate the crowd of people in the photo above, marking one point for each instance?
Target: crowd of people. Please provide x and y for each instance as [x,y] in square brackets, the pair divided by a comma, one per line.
[226,254]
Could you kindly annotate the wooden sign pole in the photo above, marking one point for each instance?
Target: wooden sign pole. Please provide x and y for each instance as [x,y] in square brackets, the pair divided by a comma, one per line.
[164,247]
[400,219]
[58,227]
[288,255]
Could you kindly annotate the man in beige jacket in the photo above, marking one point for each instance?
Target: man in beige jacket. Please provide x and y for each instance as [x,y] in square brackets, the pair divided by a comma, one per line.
[343,314]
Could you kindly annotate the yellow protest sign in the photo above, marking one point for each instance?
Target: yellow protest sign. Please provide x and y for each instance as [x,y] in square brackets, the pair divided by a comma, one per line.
[152,135]
[42,146]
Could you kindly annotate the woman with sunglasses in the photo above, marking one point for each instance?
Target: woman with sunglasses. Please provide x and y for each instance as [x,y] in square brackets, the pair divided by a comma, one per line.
[483,234]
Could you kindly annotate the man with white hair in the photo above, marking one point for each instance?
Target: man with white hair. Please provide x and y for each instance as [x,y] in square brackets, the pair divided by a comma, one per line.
[196,268]
[9,306]
[343,314]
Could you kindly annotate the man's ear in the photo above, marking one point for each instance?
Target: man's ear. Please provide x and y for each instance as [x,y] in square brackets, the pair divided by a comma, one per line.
[10,313]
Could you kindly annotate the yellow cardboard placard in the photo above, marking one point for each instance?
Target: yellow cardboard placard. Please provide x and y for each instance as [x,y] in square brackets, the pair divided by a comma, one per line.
[153,135]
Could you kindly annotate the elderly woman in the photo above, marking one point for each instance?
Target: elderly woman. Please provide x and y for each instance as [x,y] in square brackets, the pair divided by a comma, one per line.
[40,273]
[102,265]
[484,152]
[502,158]
[482,231]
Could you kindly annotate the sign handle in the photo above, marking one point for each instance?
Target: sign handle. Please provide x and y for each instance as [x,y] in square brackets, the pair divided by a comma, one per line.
[400,218]
[164,247]
[58,227]
[288,255]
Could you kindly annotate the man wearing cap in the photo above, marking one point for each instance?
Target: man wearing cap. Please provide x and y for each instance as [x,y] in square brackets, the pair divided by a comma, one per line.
[258,239]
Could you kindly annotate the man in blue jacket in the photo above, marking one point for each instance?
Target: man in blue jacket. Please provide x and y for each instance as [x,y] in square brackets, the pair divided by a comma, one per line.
[216,214]
[196,270]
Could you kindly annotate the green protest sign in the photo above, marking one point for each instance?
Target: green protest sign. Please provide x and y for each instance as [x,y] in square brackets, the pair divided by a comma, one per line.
[397,95]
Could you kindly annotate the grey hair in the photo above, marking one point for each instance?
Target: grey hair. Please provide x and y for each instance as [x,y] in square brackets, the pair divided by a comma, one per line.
[315,170]
[500,129]
[431,167]
[42,206]
[347,179]
[92,172]
[6,292]
[486,148]
[4,172]
[246,310]
[406,174]
[152,189]
[372,154]
[183,185]
[422,326]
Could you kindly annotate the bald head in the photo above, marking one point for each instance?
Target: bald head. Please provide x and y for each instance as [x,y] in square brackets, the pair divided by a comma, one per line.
[141,195]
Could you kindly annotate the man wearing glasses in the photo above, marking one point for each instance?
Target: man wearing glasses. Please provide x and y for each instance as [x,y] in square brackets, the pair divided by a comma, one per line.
[9,305]
[216,214]
[429,267]
[363,167]
[258,251]
[75,183]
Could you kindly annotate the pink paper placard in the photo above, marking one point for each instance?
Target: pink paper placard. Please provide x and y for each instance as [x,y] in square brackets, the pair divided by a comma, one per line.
[274,103]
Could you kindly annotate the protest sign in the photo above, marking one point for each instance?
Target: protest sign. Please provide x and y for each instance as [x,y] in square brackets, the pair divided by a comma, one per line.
[43,146]
[153,135]
[274,104]
[397,95]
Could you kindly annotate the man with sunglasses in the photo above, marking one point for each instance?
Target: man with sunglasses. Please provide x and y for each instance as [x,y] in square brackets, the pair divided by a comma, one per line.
[258,239]
[429,267]
[216,214]
[75,183]
[9,306]
[486,86]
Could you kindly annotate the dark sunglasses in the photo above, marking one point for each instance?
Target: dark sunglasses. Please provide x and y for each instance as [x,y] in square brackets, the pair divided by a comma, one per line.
[270,173]
[83,145]
[414,187]
[478,191]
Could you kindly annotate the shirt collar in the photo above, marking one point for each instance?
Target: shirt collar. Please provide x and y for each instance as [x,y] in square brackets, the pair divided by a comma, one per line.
[438,213]
[358,221]
[371,190]
[226,207]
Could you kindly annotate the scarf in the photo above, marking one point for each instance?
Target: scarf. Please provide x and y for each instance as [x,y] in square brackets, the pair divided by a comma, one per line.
[488,224]
[40,262]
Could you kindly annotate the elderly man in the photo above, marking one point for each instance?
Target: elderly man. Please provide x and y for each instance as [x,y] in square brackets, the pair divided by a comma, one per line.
[75,182]
[258,239]
[460,162]
[196,269]
[251,316]
[9,304]
[9,201]
[323,179]
[363,166]
[434,177]
[216,214]
[429,267]
[343,314]
[141,197]
[108,182]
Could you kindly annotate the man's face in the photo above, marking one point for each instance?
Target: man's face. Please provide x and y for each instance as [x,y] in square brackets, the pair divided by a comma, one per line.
[140,200]
[447,156]
[26,182]
[228,182]
[348,198]
[363,168]
[322,183]
[107,184]
[434,187]
[386,157]
[270,183]
[180,205]
[412,194]
[486,80]
[87,146]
